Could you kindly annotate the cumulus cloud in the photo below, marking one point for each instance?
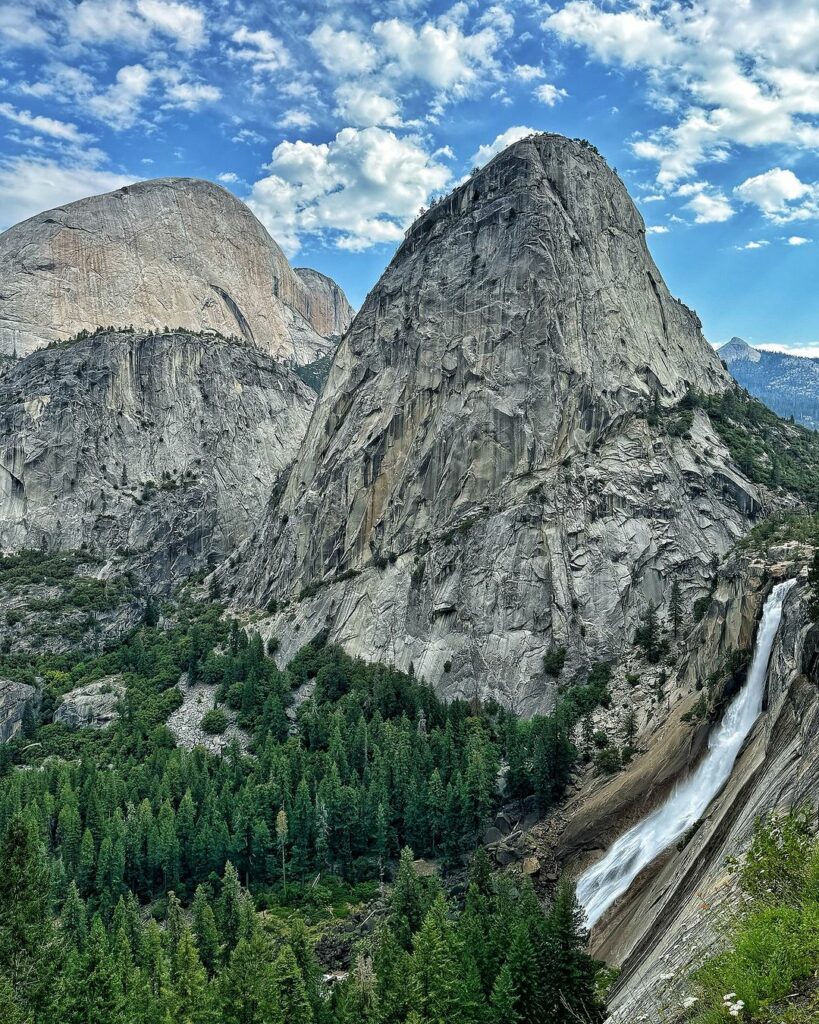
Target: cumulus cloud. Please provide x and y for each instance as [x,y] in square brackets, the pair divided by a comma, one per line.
[345,53]
[486,152]
[262,50]
[528,72]
[190,95]
[119,104]
[362,188]
[300,119]
[798,240]
[444,56]
[28,186]
[727,73]
[550,94]
[777,193]
[136,22]
[183,23]
[708,204]
[228,177]
[632,37]
[657,229]
[362,106]
[18,27]
[753,245]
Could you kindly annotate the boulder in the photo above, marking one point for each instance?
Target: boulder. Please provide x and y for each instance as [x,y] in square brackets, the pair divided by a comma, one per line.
[94,706]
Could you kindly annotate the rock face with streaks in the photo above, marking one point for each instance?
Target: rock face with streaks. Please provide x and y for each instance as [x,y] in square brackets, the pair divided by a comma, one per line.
[485,477]
[173,252]
[16,699]
[161,447]
[94,706]
[327,307]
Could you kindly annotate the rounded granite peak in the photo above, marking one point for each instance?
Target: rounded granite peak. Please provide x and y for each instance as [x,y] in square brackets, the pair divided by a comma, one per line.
[179,252]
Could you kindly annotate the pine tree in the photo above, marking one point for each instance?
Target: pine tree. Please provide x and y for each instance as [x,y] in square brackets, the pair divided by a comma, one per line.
[292,993]
[570,977]
[205,930]
[192,996]
[229,912]
[504,999]
[281,838]
[526,974]
[73,919]
[26,934]
[407,901]
[248,992]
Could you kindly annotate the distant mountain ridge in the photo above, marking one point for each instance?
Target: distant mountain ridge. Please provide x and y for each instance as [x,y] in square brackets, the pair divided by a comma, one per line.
[787,384]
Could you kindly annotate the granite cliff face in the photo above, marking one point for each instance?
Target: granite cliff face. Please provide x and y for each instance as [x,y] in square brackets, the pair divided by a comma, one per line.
[173,252]
[327,307]
[485,476]
[161,447]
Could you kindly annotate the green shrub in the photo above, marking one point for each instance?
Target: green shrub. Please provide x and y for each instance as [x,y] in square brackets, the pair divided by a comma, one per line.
[214,722]
[553,661]
[608,761]
[775,947]
[701,607]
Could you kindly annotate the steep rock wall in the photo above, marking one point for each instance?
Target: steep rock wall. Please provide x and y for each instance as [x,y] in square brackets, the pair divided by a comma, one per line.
[165,447]
[481,479]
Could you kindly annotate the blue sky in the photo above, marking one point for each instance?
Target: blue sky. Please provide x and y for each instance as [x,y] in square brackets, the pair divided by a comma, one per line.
[338,120]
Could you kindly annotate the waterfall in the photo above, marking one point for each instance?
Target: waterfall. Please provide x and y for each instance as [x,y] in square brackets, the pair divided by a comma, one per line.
[605,881]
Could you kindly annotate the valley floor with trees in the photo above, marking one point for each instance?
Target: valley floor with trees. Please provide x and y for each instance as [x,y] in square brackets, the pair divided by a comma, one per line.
[147,883]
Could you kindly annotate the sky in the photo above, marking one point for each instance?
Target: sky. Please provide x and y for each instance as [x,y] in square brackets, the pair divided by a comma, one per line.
[337,121]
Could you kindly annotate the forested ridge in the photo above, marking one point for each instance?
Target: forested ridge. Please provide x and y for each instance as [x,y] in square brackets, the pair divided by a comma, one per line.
[195,886]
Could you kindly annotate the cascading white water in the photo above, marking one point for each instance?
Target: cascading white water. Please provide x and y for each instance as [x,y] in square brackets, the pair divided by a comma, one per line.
[605,881]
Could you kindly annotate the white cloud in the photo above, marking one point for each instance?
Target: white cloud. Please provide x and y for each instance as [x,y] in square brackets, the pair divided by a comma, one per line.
[631,37]
[723,73]
[263,51]
[528,73]
[248,136]
[550,94]
[120,103]
[190,95]
[18,26]
[775,192]
[809,350]
[708,204]
[64,130]
[799,240]
[344,53]
[485,153]
[753,245]
[135,23]
[300,119]
[657,229]
[228,177]
[362,107]
[442,55]
[28,186]
[185,24]
[364,187]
